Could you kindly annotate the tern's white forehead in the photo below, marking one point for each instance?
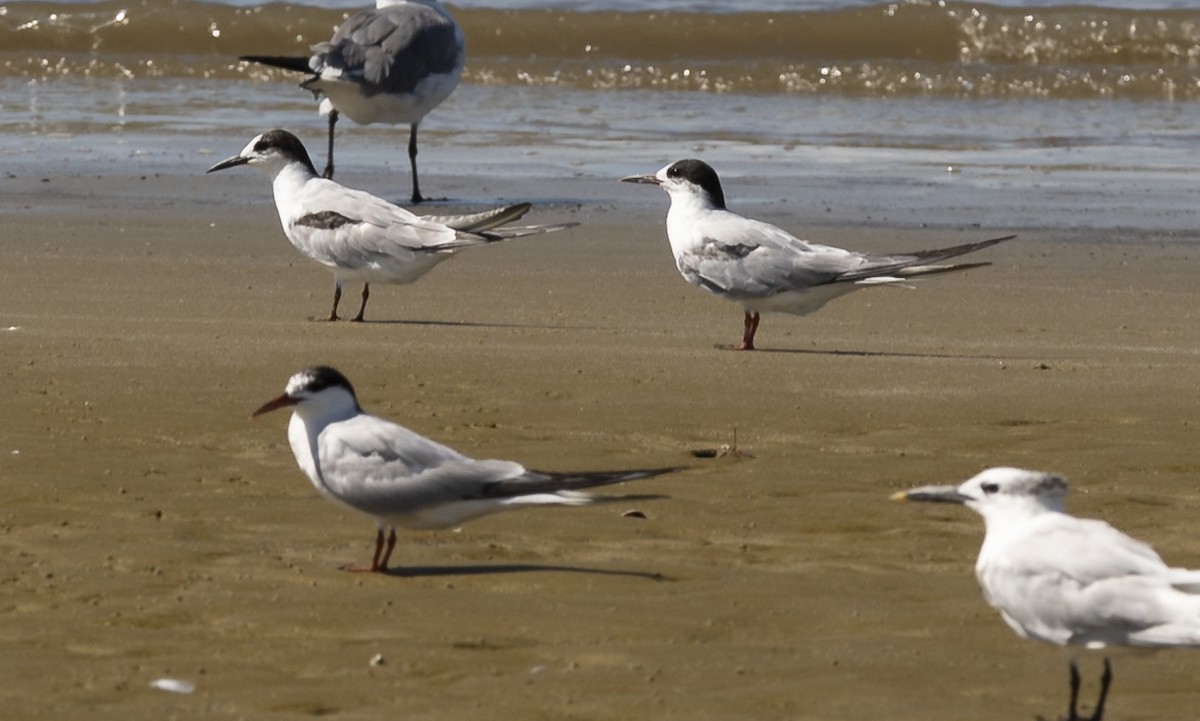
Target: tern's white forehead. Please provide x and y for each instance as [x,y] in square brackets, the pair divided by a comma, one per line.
[300,382]
[249,149]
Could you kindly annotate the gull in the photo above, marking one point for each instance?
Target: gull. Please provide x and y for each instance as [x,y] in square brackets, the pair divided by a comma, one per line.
[1070,581]
[399,478]
[765,268]
[358,236]
[391,64]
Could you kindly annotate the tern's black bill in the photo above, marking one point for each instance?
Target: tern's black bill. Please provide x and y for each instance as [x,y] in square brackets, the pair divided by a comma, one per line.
[230,163]
[648,179]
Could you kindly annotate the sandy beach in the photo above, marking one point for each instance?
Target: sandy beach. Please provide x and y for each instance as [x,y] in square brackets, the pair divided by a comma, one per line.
[152,530]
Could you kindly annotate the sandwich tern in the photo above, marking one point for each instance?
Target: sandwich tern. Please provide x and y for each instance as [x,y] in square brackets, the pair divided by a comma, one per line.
[358,236]
[391,64]
[765,268]
[399,478]
[1070,581]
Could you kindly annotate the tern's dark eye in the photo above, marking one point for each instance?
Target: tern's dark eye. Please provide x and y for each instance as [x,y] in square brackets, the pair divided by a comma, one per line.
[260,146]
[990,487]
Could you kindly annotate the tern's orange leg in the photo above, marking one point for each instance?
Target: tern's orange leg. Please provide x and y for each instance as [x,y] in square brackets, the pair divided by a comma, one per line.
[751,324]
[387,554]
[375,566]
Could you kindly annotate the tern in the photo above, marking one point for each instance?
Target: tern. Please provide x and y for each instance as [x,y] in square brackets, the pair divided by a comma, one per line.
[358,236]
[1070,581]
[391,64]
[765,268]
[399,478]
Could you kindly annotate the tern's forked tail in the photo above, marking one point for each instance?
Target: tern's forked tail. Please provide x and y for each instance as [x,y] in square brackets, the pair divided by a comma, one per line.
[485,220]
[542,482]
[524,230]
[940,254]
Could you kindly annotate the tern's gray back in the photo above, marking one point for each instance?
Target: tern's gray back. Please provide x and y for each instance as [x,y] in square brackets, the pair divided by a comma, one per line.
[392,49]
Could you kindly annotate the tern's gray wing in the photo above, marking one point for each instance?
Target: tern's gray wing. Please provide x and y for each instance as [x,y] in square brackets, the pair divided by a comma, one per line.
[349,228]
[383,468]
[743,258]
[390,50]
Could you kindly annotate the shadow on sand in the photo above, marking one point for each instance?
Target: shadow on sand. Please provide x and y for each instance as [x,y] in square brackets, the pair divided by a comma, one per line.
[504,568]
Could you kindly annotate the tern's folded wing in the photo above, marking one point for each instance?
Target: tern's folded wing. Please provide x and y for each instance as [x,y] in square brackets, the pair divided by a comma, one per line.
[763,261]
[381,467]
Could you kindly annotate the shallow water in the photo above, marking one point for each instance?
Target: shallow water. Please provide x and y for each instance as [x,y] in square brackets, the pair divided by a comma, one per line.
[1005,115]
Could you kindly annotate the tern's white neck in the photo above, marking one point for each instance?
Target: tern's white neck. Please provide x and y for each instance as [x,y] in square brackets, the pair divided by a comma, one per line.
[309,418]
[287,183]
[685,218]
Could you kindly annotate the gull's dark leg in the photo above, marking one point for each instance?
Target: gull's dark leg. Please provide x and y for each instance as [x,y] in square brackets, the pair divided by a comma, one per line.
[333,118]
[1072,714]
[366,294]
[412,160]
[337,298]
[1105,682]
[387,554]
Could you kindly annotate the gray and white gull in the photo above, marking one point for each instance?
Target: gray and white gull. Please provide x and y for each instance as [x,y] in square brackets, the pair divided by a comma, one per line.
[390,64]
[1070,581]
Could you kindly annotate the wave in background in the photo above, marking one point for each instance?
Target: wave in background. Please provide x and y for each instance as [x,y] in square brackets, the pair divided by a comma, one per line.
[940,49]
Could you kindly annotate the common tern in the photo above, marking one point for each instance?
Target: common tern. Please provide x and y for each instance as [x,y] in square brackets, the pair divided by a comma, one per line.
[1070,581]
[765,268]
[391,64]
[399,478]
[358,236]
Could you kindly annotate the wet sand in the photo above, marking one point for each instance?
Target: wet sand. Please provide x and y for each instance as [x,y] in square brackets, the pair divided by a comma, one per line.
[152,530]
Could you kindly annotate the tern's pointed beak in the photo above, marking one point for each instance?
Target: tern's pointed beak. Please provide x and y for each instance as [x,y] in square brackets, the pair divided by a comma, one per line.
[647,179]
[230,163]
[282,401]
[932,494]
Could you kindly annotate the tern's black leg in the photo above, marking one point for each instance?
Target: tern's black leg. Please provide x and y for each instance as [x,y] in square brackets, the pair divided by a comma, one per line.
[1105,682]
[1072,714]
[362,308]
[333,118]
[412,160]
[337,298]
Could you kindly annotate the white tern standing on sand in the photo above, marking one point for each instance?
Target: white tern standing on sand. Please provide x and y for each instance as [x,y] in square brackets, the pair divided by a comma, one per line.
[1070,581]
[399,478]
[765,268]
[358,236]
[392,64]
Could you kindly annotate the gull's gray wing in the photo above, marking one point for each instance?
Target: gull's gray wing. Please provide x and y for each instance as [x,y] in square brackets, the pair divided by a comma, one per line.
[1069,580]
[391,49]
